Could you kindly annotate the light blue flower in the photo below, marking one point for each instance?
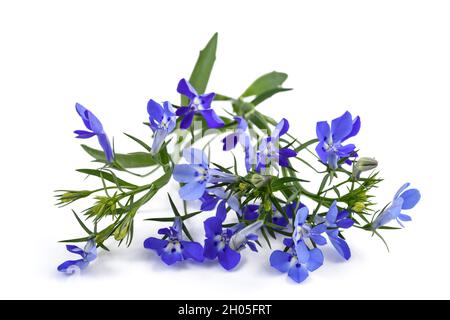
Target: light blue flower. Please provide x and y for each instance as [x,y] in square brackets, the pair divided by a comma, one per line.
[298,268]
[174,248]
[243,138]
[92,123]
[403,200]
[88,254]
[330,149]
[305,233]
[162,122]
[269,154]
[197,174]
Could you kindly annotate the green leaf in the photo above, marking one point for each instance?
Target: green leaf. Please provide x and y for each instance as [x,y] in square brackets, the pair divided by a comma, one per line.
[107,176]
[265,83]
[305,145]
[267,94]
[129,160]
[142,143]
[202,70]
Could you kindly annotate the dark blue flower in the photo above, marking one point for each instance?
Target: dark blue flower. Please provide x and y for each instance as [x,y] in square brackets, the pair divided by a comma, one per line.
[298,268]
[269,154]
[251,212]
[335,220]
[219,243]
[174,248]
[403,200]
[197,174]
[198,104]
[92,123]
[88,254]
[243,138]
[162,122]
[304,233]
[330,148]
[212,196]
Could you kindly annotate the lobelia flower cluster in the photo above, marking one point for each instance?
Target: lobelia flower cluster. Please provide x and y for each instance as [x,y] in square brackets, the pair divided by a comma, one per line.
[261,198]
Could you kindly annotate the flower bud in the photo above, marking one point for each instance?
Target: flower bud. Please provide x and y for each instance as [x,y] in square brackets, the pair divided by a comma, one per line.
[239,239]
[358,207]
[258,180]
[364,164]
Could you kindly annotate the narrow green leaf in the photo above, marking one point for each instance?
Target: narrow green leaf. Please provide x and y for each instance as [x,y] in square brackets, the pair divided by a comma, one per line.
[265,83]
[107,176]
[171,219]
[267,94]
[129,160]
[202,70]
[140,142]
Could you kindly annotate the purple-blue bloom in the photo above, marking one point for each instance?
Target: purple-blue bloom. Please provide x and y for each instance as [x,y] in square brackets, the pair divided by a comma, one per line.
[270,154]
[174,248]
[88,254]
[92,123]
[298,268]
[162,122]
[330,148]
[197,174]
[403,200]
[212,196]
[198,104]
[241,136]
[334,220]
[217,242]
[304,233]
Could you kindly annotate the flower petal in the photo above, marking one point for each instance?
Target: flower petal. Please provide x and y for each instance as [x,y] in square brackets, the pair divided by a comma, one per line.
[170,258]
[280,260]
[301,215]
[155,244]
[340,245]
[185,173]
[155,111]
[187,120]
[229,258]
[332,213]
[315,260]
[321,152]
[106,146]
[210,251]
[298,273]
[192,191]
[341,127]
[322,131]
[212,119]
[72,266]
[213,227]
[402,188]
[281,128]
[186,89]
[81,134]
[410,198]
[192,250]
[195,156]
[355,128]
[206,100]
[75,249]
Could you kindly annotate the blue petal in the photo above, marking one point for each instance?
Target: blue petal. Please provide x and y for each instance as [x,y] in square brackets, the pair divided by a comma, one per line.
[208,202]
[281,128]
[185,173]
[280,260]
[332,213]
[213,227]
[106,146]
[210,251]
[230,141]
[192,191]
[228,258]
[155,244]
[181,111]
[300,217]
[402,188]
[320,150]
[302,251]
[186,89]
[71,266]
[155,111]
[288,242]
[158,140]
[322,131]
[187,120]
[340,245]
[286,152]
[206,100]
[346,151]
[81,134]
[221,213]
[90,250]
[83,113]
[251,212]
[345,223]
[298,273]
[332,160]
[341,127]
[252,246]
[410,198]
[212,119]
[195,156]
[170,258]
[192,250]
[319,240]
[404,217]
[355,128]
[241,123]
[75,249]
[315,260]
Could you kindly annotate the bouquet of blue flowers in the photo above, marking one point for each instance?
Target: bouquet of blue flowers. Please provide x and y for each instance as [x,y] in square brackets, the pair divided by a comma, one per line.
[263,197]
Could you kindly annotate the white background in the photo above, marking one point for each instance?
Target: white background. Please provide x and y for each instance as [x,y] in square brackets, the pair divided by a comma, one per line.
[388,61]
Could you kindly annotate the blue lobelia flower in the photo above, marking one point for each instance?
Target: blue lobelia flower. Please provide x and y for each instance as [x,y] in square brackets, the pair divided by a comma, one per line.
[197,174]
[243,138]
[162,122]
[217,242]
[269,155]
[212,196]
[92,123]
[304,233]
[403,200]
[298,268]
[330,148]
[198,104]
[88,254]
[334,220]
[174,248]
[250,212]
